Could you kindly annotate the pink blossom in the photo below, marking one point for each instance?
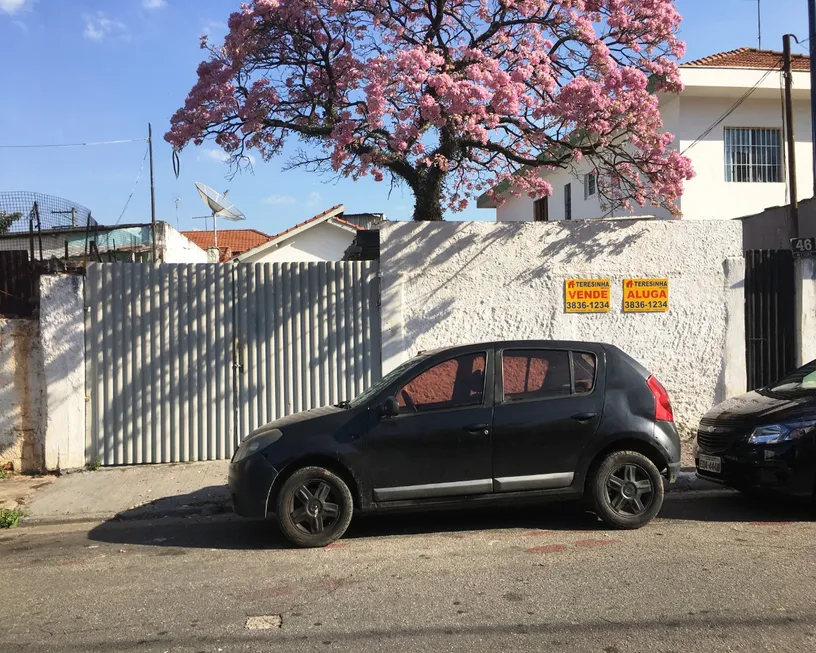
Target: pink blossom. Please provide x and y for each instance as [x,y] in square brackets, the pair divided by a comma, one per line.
[497,95]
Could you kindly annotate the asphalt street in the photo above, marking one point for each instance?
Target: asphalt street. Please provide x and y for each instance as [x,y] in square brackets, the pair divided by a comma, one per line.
[714,573]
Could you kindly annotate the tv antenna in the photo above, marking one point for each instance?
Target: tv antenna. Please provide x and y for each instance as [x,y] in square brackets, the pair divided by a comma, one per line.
[219,205]
[759,23]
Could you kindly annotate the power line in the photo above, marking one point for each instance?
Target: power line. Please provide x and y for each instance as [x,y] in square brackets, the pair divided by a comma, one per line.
[733,107]
[138,177]
[129,140]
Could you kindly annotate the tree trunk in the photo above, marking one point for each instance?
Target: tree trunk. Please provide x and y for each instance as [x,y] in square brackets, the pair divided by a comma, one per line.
[428,200]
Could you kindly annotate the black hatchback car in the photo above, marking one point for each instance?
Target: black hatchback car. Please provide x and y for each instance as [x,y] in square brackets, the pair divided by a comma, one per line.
[472,425]
[764,440]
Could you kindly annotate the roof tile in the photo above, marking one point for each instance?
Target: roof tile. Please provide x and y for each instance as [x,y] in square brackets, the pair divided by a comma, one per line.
[751,58]
[236,240]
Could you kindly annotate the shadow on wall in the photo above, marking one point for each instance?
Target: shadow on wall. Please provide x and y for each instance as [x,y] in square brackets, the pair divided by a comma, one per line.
[22,433]
[470,282]
[461,253]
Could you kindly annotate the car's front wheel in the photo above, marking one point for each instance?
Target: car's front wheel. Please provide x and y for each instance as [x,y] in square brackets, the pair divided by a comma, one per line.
[626,490]
[314,507]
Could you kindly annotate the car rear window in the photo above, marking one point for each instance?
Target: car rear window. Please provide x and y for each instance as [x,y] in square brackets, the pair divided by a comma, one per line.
[539,373]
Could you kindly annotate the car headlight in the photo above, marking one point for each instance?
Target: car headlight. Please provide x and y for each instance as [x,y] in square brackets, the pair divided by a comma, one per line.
[775,433]
[256,442]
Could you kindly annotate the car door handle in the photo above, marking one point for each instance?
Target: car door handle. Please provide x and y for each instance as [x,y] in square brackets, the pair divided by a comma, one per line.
[478,428]
[584,417]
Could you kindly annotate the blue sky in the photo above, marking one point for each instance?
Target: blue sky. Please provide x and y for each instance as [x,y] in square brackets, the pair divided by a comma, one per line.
[98,70]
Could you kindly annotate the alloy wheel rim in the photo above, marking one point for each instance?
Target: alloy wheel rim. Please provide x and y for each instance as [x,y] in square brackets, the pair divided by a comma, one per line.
[314,508]
[629,490]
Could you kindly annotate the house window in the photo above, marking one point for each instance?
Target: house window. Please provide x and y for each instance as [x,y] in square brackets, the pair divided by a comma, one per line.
[568,202]
[541,210]
[753,155]
[590,185]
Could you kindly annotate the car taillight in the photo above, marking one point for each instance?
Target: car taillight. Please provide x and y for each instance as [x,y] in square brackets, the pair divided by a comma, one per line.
[663,409]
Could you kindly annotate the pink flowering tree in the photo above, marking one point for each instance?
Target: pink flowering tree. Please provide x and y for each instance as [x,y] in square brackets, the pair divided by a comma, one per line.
[452,98]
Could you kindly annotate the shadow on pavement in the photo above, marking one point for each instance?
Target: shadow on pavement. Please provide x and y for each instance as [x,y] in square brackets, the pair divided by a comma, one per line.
[211,500]
[229,531]
[732,506]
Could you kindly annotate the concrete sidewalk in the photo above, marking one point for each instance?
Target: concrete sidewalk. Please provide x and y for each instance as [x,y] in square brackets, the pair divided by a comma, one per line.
[139,492]
[153,491]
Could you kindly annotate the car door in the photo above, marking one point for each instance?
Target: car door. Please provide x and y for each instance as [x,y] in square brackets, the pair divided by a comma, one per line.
[548,406]
[439,444]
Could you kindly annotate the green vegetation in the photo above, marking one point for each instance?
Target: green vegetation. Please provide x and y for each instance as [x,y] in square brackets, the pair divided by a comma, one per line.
[10,517]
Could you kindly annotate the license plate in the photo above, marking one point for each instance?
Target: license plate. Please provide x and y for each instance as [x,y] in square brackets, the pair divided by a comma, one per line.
[711,464]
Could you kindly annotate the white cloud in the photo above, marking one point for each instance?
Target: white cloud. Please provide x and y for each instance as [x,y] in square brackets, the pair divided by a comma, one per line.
[11,7]
[280,200]
[154,4]
[314,199]
[98,26]
[214,154]
[214,26]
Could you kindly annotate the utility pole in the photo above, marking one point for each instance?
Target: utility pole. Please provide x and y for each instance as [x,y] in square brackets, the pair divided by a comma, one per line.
[759,24]
[794,198]
[812,37]
[153,188]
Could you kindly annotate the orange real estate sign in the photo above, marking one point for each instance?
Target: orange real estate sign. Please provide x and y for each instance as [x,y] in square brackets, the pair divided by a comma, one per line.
[645,295]
[586,295]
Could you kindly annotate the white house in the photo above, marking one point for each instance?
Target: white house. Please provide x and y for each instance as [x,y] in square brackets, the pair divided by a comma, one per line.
[737,147]
[325,237]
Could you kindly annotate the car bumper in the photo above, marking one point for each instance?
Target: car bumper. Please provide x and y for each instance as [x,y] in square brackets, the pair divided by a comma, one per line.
[785,468]
[672,472]
[250,481]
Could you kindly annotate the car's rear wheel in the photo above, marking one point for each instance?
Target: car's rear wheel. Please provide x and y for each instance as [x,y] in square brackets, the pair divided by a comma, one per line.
[626,490]
[314,507]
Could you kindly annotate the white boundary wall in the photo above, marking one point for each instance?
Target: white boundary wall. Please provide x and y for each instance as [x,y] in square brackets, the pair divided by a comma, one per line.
[21,393]
[62,333]
[454,283]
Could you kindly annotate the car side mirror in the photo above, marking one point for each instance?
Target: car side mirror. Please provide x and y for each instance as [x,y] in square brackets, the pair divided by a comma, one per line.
[389,408]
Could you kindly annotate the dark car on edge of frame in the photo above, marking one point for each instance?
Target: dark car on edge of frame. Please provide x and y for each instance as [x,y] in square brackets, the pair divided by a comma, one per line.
[471,425]
[764,440]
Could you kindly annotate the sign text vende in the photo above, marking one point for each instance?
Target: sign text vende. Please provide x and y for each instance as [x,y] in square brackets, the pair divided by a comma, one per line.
[587,295]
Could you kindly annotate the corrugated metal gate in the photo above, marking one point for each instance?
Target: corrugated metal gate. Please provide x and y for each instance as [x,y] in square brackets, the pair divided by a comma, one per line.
[183,361]
[770,296]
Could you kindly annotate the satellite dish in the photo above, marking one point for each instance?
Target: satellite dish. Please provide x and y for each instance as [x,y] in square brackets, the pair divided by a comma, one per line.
[219,206]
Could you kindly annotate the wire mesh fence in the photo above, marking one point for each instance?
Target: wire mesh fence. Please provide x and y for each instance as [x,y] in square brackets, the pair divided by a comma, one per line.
[43,226]
[52,229]
[20,210]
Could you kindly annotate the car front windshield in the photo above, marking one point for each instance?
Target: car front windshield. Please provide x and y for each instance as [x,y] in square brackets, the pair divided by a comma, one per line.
[802,381]
[385,381]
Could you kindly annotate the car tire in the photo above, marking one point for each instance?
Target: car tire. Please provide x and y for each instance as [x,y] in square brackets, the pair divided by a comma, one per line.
[314,507]
[626,490]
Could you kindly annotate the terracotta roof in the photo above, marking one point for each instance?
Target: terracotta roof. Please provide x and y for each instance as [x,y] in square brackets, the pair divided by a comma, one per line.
[236,240]
[751,58]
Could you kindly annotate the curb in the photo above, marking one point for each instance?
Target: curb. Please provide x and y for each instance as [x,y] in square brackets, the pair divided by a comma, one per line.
[143,513]
[688,481]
